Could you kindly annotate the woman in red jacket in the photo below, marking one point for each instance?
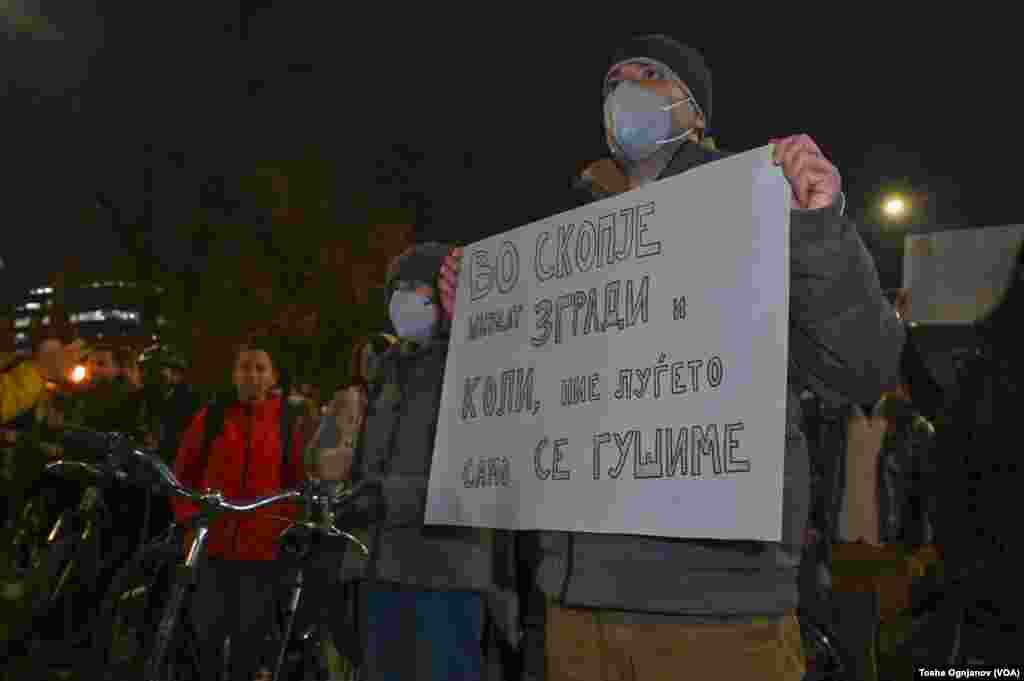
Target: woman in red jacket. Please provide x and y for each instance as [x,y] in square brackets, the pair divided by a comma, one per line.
[237,587]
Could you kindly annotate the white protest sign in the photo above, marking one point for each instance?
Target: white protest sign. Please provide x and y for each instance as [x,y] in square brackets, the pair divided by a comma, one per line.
[622,367]
[958,276]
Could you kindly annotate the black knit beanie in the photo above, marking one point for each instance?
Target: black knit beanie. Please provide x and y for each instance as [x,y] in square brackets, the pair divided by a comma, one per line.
[686,62]
[419,264]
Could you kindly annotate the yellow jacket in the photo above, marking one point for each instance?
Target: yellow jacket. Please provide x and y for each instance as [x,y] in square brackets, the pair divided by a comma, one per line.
[21,386]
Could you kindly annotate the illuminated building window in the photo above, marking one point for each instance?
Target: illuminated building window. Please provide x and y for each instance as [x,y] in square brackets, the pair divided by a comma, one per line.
[31,306]
[18,337]
[22,322]
[103,315]
[91,316]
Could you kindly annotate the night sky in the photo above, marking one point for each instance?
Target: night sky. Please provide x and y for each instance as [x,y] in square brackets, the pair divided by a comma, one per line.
[897,103]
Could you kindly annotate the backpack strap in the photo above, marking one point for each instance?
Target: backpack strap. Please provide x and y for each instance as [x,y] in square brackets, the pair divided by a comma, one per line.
[213,425]
[287,424]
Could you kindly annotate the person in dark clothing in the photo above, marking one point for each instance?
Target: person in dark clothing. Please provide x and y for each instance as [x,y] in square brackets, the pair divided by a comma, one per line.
[906,494]
[108,404]
[112,403]
[444,596]
[649,607]
[922,388]
[980,471]
[112,398]
[180,404]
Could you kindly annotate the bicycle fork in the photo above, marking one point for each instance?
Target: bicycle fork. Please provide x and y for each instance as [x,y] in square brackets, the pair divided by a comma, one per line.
[289,623]
[156,665]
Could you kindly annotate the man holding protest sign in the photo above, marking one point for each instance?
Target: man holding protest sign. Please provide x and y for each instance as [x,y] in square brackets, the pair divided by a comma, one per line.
[643,607]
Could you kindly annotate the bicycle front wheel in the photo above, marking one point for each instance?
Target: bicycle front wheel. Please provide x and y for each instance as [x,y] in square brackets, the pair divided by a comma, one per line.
[174,654]
[123,636]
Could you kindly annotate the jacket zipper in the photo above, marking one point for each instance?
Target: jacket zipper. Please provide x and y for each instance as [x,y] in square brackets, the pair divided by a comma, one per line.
[245,472]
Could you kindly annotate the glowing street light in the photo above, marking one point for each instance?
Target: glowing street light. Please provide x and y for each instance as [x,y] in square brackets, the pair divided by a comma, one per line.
[895,207]
[78,374]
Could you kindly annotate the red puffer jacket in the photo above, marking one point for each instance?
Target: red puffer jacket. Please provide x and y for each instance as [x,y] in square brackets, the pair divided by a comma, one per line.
[244,462]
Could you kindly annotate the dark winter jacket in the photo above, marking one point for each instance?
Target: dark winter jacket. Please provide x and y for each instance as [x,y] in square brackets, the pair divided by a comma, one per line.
[906,475]
[396,450]
[844,345]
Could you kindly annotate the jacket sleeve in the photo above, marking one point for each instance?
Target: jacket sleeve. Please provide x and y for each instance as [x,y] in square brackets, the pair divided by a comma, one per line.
[329,452]
[845,339]
[188,466]
[20,388]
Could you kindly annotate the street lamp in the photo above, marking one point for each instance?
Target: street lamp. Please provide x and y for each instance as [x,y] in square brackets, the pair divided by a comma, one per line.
[895,207]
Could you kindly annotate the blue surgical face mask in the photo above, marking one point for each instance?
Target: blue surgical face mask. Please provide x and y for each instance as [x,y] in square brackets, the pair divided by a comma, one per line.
[415,316]
[640,121]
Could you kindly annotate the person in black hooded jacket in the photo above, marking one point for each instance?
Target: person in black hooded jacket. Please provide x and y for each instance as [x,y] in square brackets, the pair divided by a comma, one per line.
[647,607]
[980,475]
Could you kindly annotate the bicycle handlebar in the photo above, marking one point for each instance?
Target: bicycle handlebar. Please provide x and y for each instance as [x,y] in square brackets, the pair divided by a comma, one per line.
[123,453]
[60,466]
[98,444]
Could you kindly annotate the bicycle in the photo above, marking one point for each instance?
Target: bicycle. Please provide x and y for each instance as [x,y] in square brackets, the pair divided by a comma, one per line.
[301,540]
[63,574]
[826,658]
[173,651]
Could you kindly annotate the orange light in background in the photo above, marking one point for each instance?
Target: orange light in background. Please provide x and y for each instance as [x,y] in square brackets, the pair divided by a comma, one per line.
[78,374]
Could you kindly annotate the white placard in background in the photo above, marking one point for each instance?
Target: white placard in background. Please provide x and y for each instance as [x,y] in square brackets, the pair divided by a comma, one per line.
[958,276]
[622,367]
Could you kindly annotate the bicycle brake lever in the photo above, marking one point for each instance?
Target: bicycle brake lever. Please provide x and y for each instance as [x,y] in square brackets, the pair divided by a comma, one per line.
[354,540]
[315,527]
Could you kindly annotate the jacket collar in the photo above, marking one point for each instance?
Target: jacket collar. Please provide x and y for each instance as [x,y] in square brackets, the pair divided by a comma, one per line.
[690,156]
[268,408]
[604,178]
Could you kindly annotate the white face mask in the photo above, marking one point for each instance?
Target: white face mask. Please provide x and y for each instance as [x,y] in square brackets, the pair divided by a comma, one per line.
[640,121]
[414,316]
